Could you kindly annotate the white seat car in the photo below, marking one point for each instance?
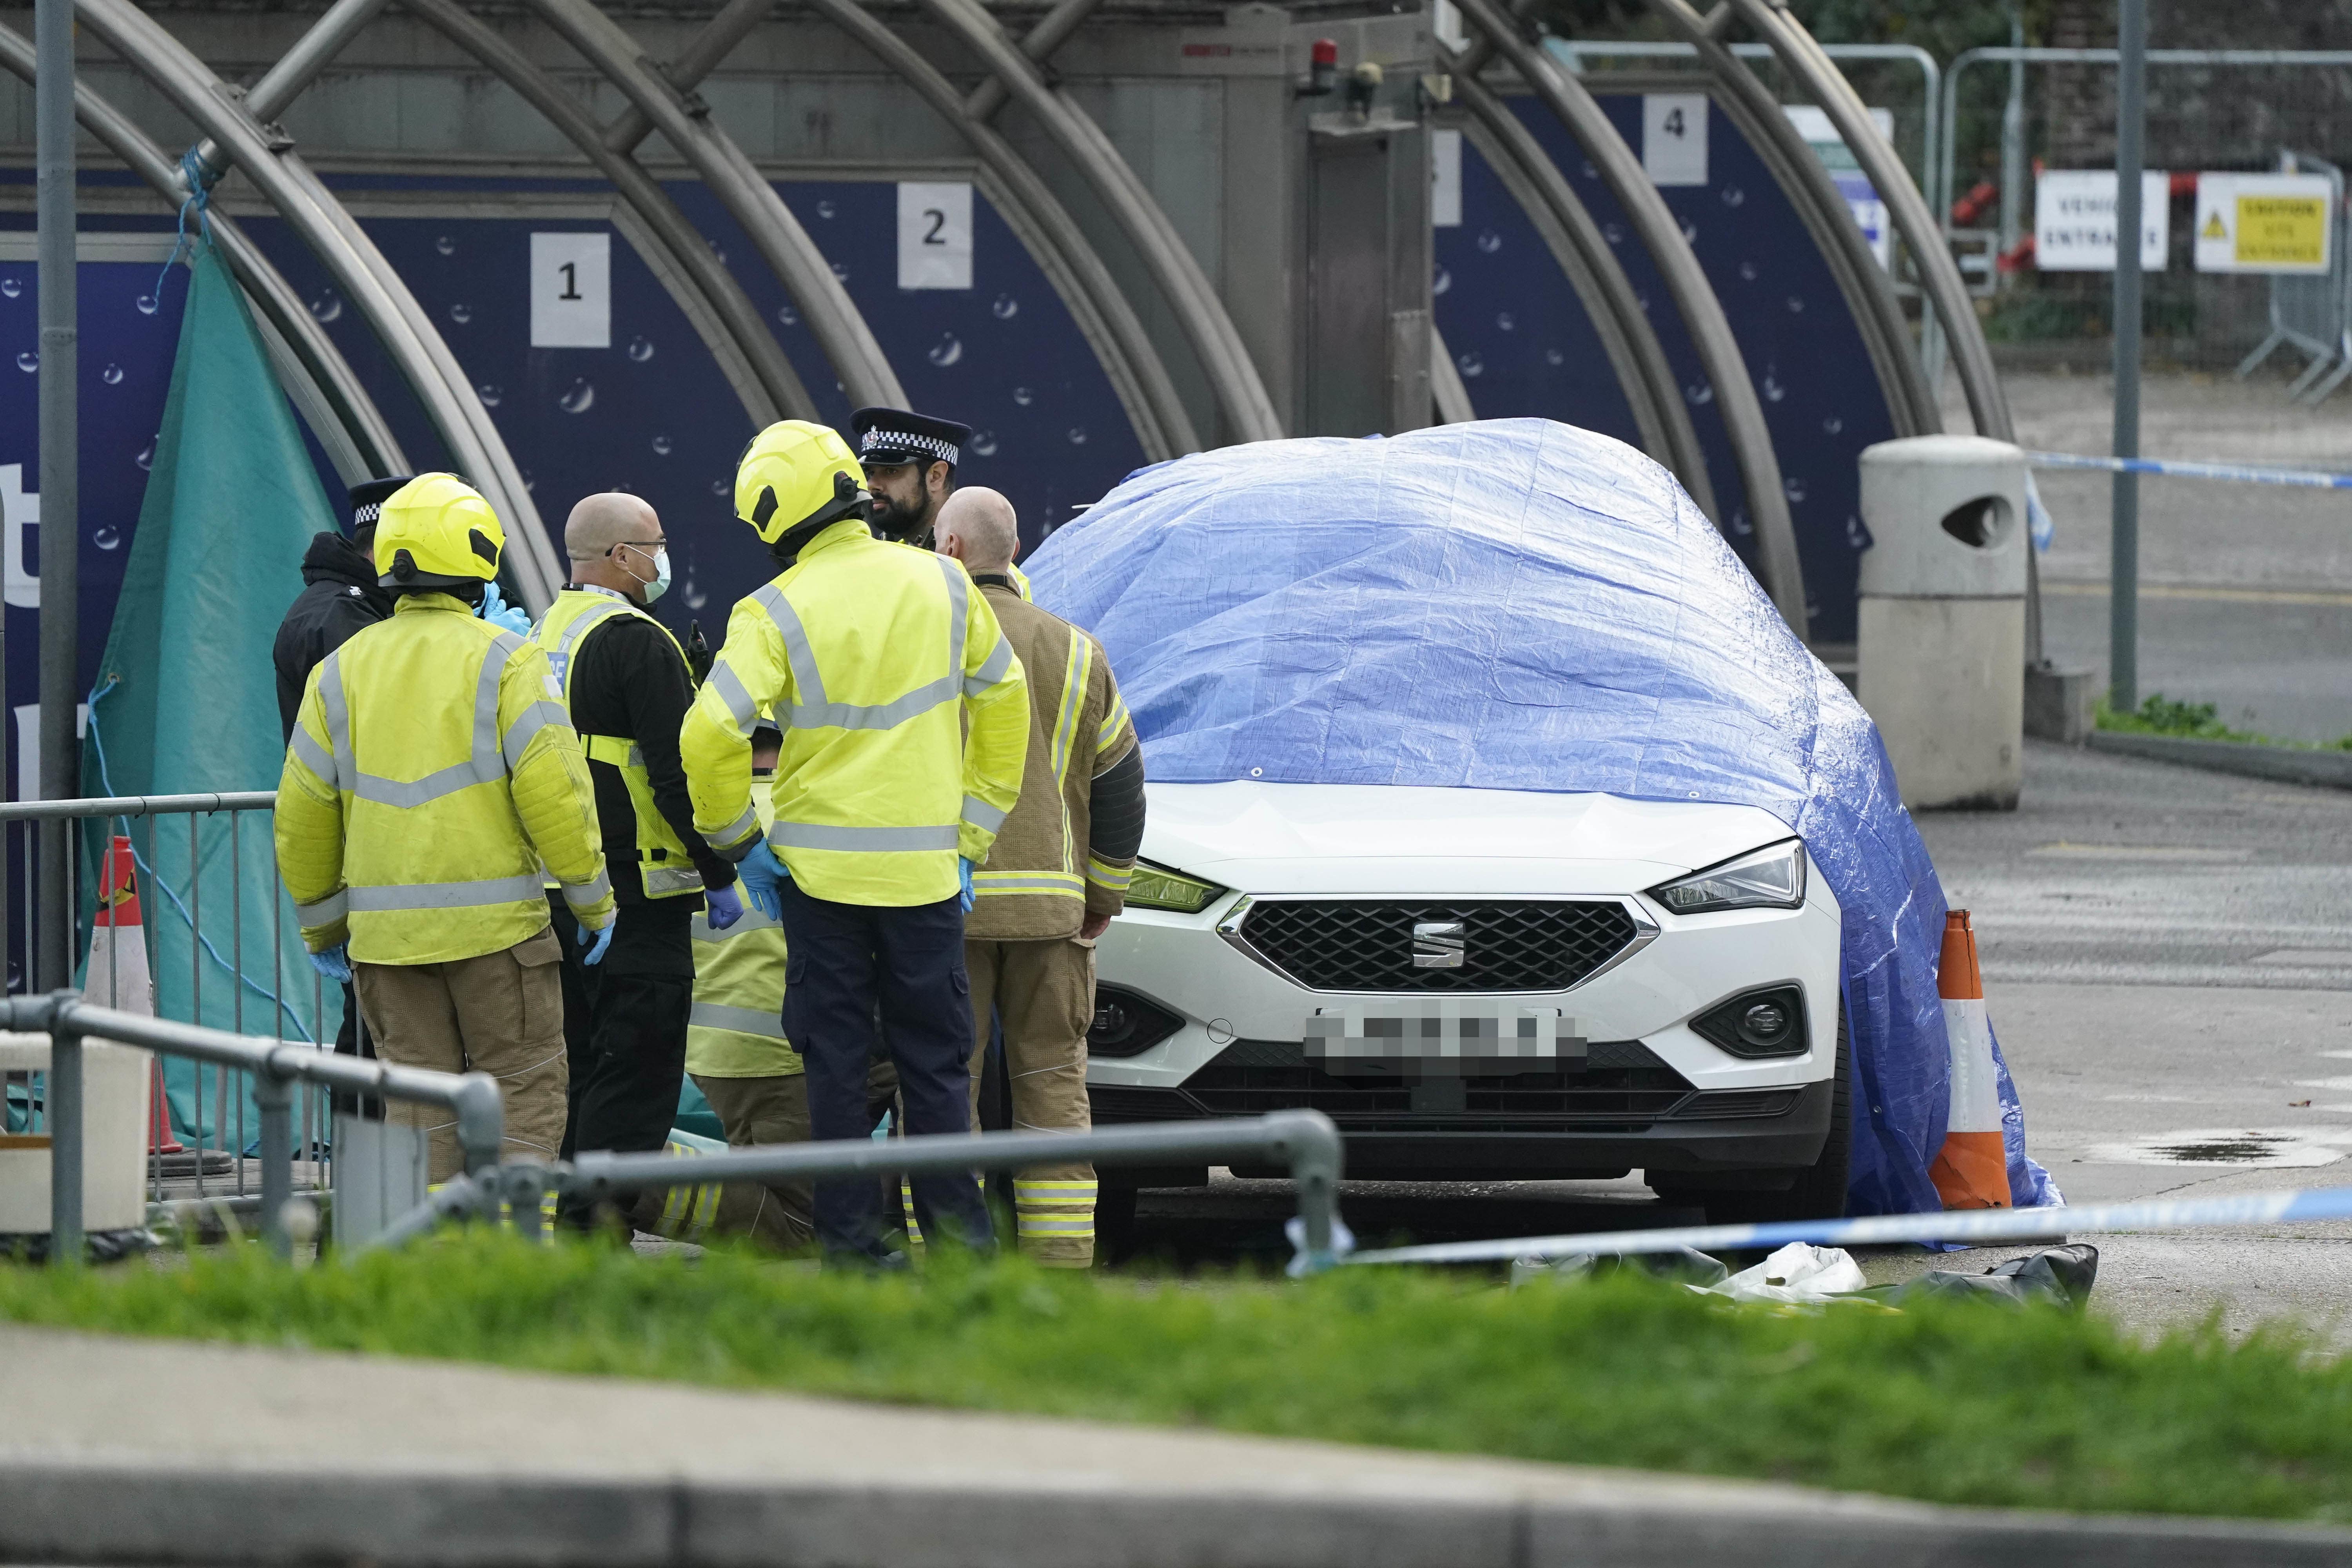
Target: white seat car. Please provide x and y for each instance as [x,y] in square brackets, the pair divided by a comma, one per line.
[1485,984]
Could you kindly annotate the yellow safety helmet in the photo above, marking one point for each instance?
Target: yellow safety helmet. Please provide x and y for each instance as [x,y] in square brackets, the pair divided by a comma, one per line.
[794,473]
[437,531]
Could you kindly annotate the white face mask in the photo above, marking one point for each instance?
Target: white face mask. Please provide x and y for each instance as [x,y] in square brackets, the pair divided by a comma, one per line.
[660,583]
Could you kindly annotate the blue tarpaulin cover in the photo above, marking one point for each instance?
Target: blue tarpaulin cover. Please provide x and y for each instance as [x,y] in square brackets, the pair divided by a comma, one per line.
[1520,604]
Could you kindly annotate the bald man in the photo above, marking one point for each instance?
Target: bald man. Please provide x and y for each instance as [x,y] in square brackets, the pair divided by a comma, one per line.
[1055,876]
[629,993]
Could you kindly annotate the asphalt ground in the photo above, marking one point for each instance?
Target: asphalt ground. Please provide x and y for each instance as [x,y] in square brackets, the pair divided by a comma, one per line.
[2168,959]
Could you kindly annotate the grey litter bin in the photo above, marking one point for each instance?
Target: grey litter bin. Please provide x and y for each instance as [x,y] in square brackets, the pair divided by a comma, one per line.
[1942,634]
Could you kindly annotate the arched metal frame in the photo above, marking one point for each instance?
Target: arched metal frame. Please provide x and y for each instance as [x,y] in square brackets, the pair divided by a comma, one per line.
[1103,312]
[1209,331]
[1780,570]
[1592,271]
[339,388]
[1869,292]
[361,270]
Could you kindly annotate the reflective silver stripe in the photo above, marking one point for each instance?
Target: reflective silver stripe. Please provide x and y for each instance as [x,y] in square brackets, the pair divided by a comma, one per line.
[1074,698]
[736,831]
[325,912]
[661,880]
[880,716]
[339,720]
[1043,882]
[983,816]
[487,763]
[740,706]
[807,684]
[742,1020]
[992,670]
[959,592]
[519,889]
[314,757]
[589,892]
[535,719]
[752,920]
[873,840]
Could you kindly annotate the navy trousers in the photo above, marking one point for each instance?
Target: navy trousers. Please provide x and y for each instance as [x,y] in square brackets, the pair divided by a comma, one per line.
[845,958]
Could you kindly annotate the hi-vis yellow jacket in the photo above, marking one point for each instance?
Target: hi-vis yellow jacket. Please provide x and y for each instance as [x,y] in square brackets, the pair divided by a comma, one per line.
[736,1027]
[433,771]
[868,656]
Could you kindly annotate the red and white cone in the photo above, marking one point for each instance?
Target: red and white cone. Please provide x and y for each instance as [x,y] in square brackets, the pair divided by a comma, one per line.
[1972,1172]
[117,975]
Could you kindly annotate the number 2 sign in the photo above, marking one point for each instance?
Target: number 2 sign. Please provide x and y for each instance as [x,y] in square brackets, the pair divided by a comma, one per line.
[572,290]
[934,235]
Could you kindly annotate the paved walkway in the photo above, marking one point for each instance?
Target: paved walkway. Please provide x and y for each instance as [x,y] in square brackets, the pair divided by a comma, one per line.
[152,1451]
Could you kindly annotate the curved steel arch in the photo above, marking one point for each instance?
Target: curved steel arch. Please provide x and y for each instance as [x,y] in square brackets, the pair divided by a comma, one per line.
[1727,369]
[361,270]
[779,393]
[1103,312]
[1599,282]
[1232,375]
[363,425]
[839,328]
[1869,291]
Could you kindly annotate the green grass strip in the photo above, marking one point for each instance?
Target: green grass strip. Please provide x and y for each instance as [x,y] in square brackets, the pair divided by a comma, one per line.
[1952,1402]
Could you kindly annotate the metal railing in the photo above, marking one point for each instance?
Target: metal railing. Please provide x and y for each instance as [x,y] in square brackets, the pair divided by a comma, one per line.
[2312,314]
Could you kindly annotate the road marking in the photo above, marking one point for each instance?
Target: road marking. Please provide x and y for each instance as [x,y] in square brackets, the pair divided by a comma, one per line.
[2069,851]
[2206,594]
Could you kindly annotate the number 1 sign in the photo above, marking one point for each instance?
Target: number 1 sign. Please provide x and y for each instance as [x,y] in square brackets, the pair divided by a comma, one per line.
[934,236]
[572,290]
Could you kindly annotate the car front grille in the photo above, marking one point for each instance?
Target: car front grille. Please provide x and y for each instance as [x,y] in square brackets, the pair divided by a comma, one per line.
[1363,945]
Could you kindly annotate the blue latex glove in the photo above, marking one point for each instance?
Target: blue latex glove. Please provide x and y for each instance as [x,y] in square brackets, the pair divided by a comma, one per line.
[335,964]
[593,944]
[963,870]
[724,905]
[762,880]
[496,610]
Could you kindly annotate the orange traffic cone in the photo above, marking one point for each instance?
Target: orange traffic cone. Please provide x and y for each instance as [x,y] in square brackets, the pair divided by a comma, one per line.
[1972,1172]
[117,975]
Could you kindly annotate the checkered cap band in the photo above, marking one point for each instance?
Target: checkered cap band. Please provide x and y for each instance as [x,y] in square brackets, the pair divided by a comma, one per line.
[367,514]
[907,441]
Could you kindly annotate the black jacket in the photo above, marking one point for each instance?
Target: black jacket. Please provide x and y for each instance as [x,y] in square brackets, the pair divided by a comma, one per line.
[338,598]
[629,679]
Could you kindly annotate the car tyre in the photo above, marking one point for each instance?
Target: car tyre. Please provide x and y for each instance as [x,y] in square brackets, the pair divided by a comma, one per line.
[1819,1191]
[1114,1224]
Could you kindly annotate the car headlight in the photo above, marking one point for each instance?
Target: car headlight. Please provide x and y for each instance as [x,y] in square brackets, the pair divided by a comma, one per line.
[1772,878]
[1158,888]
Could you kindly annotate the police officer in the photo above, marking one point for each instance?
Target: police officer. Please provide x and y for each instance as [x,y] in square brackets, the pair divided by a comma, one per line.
[910,462]
[625,684]
[871,661]
[432,773]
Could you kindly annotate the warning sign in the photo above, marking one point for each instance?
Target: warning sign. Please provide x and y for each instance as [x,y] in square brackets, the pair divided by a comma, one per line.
[2265,222]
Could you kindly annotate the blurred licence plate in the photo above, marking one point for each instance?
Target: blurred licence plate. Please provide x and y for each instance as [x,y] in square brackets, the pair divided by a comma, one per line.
[1429,1029]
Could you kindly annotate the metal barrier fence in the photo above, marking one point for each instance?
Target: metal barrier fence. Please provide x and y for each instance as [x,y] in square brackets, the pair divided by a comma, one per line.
[220,921]
[2313,314]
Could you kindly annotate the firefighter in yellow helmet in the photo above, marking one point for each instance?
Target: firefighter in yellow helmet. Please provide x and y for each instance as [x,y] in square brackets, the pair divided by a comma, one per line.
[432,772]
[872,660]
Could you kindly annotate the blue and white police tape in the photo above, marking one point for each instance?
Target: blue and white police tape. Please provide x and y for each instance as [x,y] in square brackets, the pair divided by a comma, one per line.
[1979,1226]
[2301,479]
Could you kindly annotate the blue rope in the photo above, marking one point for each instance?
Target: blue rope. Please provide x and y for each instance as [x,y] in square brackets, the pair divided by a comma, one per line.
[199,179]
[105,783]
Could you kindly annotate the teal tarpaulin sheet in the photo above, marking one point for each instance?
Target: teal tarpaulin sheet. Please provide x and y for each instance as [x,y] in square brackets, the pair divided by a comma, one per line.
[185,701]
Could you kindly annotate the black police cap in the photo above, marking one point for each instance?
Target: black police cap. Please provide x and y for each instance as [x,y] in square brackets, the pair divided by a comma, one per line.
[889,435]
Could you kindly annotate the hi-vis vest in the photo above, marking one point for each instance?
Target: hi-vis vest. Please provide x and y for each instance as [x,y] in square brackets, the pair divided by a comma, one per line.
[431,773]
[736,1028]
[663,863]
[870,658]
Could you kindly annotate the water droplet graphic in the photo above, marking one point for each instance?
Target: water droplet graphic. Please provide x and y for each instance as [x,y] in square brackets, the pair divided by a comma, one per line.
[11,288]
[1024,397]
[1441,282]
[461,314]
[1690,232]
[111,375]
[148,305]
[328,306]
[146,457]
[824,209]
[1490,241]
[1794,489]
[28,361]
[695,597]
[718,253]
[1504,322]
[1554,356]
[1472,364]
[1005,307]
[1699,394]
[982,443]
[1856,534]
[1796,306]
[1614,233]
[530,480]
[641,348]
[1078,435]
[490,393]
[788,316]
[1832,424]
[947,351]
[662,445]
[107,537]
[1587,171]
[1773,390]
[1732,196]
[445,246]
[1748,271]
[840,272]
[718,486]
[1740,526]
[580,399]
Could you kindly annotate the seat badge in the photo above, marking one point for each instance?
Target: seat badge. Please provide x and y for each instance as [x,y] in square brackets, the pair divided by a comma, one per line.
[1438,944]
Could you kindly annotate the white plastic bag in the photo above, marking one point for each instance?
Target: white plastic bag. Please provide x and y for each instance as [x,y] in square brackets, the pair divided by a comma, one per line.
[1798,1272]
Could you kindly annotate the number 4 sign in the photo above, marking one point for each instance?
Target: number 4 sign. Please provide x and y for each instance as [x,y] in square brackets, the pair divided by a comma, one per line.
[572,290]
[1674,137]
[934,236]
